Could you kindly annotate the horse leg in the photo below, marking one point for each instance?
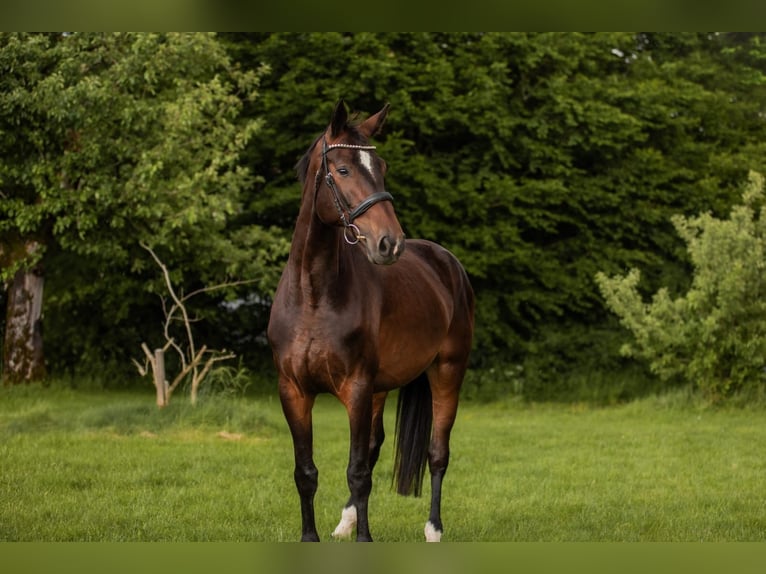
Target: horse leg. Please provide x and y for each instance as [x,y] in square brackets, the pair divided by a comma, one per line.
[296,406]
[358,403]
[377,436]
[445,380]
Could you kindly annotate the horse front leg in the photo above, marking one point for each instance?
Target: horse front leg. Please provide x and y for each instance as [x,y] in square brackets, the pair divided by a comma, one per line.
[297,410]
[348,517]
[358,402]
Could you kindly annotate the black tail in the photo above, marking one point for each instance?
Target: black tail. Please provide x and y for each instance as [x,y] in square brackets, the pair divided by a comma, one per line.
[414,415]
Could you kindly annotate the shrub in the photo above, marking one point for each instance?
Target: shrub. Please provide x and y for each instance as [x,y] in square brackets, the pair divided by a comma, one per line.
[714,336]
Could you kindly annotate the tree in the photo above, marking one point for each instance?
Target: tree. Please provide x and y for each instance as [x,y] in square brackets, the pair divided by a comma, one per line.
[714,336]
[107,140]
[539,159]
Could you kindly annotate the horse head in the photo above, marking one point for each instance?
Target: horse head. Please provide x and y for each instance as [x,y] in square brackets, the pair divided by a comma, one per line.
[350,189]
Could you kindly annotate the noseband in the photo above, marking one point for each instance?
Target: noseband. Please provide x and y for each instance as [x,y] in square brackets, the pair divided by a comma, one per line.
[346,213]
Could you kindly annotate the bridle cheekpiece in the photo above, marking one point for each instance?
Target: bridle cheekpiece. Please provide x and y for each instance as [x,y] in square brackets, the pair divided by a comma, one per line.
[346,213]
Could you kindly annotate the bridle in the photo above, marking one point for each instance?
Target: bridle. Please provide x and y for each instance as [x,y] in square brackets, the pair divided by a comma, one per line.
[346,213]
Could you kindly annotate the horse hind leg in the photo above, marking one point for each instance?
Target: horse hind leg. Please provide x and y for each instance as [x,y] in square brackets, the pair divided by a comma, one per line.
[445,380]
[348,516]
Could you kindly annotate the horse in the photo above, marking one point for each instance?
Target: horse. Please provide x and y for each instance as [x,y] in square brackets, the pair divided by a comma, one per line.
[360,311]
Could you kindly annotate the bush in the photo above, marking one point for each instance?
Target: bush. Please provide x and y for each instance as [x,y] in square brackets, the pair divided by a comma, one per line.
[715,336]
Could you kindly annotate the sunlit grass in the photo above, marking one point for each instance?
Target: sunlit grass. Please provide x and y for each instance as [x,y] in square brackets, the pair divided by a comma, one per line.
[109,466]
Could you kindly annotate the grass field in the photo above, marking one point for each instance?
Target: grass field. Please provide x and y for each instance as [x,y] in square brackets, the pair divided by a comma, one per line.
[108,466]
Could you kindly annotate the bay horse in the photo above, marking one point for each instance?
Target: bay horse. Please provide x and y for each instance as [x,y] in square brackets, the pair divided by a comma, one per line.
[360,311]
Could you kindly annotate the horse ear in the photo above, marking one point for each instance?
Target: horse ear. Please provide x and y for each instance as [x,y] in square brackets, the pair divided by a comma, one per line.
[339,118]
[374,123]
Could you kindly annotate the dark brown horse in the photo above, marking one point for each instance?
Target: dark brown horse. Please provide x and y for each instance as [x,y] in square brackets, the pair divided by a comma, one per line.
[358,313]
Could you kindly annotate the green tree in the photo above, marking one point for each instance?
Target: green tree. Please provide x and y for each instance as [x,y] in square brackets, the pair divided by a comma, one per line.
[539,159]
[714,336]
[107,140]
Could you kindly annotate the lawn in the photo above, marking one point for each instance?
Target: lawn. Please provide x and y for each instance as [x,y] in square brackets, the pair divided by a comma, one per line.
[83,465]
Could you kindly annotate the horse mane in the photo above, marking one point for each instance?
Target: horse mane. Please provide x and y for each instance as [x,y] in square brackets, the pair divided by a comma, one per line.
[302,167]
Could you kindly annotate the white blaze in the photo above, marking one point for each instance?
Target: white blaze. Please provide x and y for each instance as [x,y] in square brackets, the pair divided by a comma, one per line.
[365,158]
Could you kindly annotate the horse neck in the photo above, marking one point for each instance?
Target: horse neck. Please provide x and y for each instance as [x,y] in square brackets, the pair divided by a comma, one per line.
[315,257]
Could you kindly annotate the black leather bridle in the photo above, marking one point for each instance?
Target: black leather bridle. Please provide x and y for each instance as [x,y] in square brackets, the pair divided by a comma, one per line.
[345,211]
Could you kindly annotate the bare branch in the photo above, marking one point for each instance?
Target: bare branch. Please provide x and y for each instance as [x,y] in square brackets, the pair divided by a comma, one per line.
[142,369]
[218,287]
[147,352]
[191,358]
[185,371]
[169,285]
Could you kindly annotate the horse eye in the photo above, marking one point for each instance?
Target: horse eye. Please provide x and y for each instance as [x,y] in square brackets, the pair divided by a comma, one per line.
[343,171]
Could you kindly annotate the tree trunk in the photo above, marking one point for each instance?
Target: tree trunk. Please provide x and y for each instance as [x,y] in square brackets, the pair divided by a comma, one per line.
[23,359]
[160,381]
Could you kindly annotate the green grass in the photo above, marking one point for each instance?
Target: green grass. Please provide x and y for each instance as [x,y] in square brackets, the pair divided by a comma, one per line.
[109,466]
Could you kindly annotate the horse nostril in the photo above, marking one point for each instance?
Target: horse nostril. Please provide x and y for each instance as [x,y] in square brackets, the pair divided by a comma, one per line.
[384,246]
[389,249]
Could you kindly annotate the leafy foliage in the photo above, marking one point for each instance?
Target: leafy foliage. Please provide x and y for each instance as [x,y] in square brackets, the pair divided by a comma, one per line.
[107,140]
[715,335]
[538,159]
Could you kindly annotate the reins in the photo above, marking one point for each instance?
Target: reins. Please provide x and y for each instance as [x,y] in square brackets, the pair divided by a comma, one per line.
[348,215]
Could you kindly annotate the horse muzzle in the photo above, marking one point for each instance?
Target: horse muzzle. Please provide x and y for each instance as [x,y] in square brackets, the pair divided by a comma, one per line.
[385,250]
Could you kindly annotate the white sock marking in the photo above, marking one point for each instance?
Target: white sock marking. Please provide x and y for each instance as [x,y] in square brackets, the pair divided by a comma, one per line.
[347,522]
[432,535]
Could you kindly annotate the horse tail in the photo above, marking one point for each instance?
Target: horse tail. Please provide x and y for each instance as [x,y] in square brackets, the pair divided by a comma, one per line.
[414,415]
